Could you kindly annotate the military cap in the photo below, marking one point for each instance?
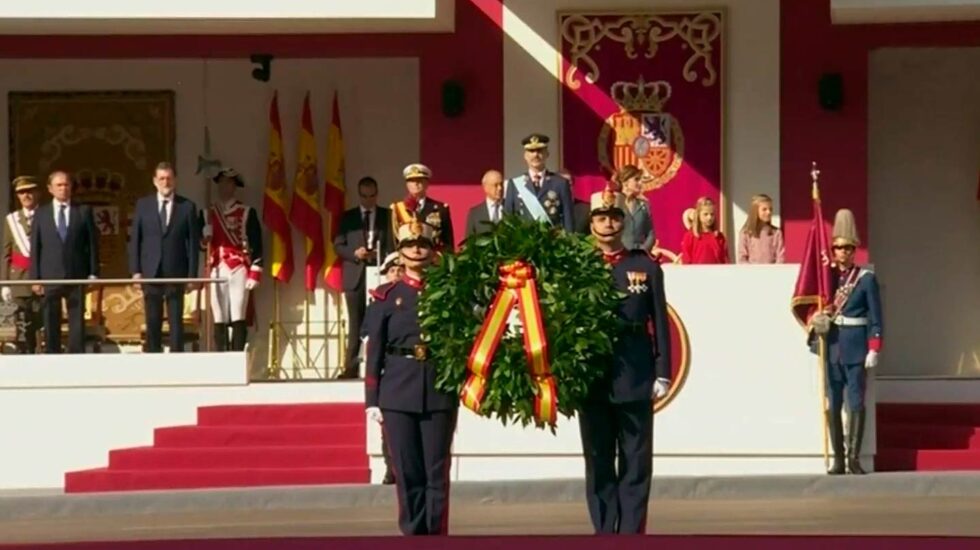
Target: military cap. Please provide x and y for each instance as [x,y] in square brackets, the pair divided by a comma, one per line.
[23,183]
[230,173]
[416,171]
[414,232]
[391,260]
[608,202]
[845,228]
[535,142]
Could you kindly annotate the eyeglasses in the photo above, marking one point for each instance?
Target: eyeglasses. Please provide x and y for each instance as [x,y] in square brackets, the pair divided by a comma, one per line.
[846,247]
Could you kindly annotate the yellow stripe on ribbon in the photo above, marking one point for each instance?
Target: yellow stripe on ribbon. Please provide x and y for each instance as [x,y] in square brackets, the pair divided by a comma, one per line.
[517,286]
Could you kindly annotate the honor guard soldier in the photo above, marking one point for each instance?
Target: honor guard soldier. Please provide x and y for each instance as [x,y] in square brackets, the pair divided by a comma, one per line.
[419,206]
[234,236]
[852,325]
[16,264]
[616,422]
[417,420]
[539,194]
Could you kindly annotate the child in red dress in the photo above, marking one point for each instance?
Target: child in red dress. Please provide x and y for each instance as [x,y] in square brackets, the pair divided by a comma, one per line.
[704,244]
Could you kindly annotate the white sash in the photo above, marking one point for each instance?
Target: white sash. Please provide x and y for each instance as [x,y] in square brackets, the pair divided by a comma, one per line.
[21,239]
[531,202]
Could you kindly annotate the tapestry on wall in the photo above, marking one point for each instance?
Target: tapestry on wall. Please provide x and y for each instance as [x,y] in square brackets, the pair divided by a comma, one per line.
[111,142]
[645,89]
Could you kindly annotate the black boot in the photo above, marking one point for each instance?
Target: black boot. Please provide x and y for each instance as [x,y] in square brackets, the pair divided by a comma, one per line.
[835,425]
[855,436]
[239,333]
[221,337]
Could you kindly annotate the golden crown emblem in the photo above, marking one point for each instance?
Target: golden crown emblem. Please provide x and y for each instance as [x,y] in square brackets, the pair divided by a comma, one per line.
[641,95]
[98,185]
[416,229]
[608,198]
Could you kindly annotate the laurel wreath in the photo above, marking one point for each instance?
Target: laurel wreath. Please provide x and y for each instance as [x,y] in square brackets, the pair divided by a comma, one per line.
[578,302]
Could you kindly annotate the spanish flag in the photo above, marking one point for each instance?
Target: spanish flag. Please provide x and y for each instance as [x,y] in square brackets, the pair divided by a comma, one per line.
[274,201]
[333,197]
[304,213]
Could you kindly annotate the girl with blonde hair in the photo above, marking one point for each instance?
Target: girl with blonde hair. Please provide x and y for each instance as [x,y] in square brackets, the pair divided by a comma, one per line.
[704,243]
[759,241]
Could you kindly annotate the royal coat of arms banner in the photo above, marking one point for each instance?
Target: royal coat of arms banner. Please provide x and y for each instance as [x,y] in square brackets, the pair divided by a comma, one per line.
[645,89]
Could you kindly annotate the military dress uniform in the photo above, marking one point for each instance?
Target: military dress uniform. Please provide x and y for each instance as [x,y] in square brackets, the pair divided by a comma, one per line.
[617,419]
[235,253]
[15,265]
[551,192]
[433,213]
[418,420]
[853,340]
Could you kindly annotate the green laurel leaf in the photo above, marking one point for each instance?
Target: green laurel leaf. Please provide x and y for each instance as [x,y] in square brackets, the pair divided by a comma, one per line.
[578,302]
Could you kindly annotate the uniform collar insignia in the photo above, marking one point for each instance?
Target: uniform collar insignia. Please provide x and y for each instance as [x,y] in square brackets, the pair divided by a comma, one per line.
[614,257]
[417,284]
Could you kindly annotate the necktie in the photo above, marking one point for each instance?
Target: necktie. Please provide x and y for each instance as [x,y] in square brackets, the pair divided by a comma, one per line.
[62,222]
[367,227]
[537,181]
[495,216]
[163,213]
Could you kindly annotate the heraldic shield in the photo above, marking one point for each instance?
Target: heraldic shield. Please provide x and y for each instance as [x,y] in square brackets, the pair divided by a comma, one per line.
[642,133]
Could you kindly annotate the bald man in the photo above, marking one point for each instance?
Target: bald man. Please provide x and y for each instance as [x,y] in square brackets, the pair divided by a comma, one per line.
[484,215]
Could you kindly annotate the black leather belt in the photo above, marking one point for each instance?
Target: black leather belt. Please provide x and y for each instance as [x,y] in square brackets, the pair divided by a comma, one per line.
[635,328]
[419,352]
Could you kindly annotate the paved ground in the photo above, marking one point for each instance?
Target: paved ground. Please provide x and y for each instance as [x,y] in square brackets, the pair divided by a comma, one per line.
[944,516]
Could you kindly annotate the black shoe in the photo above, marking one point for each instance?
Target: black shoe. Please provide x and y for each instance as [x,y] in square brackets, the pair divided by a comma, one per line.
[855,437]
[239,334]
[347,375]
[221,337]
[835,426]
[389,478]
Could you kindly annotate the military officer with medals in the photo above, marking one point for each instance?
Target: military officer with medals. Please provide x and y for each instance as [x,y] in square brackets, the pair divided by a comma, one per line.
[419,206]
[616,423]
[234,234]
[539,194]
[15,264]
[852,326]
[417,420]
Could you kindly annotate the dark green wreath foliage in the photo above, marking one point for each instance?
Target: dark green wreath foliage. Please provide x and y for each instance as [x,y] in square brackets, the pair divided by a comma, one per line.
[578,301]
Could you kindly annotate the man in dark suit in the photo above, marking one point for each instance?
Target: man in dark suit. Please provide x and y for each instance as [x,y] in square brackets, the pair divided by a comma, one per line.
[488,212]
[64,245]
[418,205]
[164,242]
[539,194]
[364,235]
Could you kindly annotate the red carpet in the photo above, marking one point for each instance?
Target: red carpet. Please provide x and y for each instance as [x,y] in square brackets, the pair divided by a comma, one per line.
[242,446]
[536,543]
[928,437]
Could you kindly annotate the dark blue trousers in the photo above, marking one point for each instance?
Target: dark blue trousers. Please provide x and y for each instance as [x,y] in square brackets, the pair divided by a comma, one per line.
[618,491]
[846,383]
[420,446]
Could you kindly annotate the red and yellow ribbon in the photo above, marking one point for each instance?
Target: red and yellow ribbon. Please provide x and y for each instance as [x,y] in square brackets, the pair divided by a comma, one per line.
[517,286]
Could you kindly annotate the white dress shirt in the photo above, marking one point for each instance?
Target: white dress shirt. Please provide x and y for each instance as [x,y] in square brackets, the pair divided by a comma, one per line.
[57,208]
[490,210]
[170,205]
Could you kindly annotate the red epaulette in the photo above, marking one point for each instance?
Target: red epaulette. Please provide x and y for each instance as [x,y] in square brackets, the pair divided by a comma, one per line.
[381,292]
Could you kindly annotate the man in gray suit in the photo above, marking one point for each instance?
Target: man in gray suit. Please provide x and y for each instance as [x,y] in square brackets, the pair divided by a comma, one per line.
[483,216]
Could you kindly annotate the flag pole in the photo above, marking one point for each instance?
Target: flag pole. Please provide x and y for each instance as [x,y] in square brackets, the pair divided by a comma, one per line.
[274,361]
[822,346]
[307,316]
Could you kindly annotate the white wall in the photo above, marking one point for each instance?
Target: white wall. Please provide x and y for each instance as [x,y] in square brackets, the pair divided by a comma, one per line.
[751,403]
[924,223]
[903,11]
[381,129]
[751,75]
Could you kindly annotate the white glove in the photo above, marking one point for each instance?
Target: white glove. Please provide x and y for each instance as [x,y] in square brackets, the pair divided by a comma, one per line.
[374,415]
[207,232]
[6,294]
[871,360]
[250,284]
[660,388]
